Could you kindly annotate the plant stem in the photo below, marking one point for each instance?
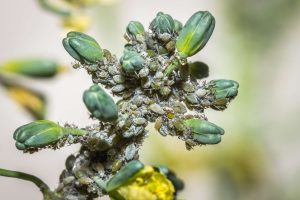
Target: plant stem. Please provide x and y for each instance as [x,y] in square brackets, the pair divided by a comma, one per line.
[27,177]
[54,8]
[172,66]
[74,131]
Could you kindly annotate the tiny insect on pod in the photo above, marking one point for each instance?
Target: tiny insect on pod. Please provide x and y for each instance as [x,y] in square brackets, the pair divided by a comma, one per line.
[162,23]
[37,134]
[124,175]
[223,88]
[204,132]
[131,61]
[100,104]
[135,28]
[82,47]
[37,68]
[195,33]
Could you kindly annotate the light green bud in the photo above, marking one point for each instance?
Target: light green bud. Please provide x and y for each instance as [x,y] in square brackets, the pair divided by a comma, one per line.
[195,33]
[162,23]
[100,104]
[124,175]
[38,68]
[178,26]
[204,131]
[222,88]
[135,28]
[37,134]
[82,47]
[131,61]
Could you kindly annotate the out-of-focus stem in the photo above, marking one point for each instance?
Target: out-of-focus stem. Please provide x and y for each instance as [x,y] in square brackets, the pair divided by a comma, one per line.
[54,8]
[27,177]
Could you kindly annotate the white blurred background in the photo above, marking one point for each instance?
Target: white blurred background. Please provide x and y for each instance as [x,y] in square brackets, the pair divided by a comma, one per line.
[255,42]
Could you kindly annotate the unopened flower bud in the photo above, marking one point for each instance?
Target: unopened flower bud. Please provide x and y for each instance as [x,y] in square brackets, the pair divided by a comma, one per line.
[222,88]
[204,132]
[135,28]
[195,33]
[124,175]
[83,47]
[37,134]
[162,23]
[38,68]
[100,104]
[131,61]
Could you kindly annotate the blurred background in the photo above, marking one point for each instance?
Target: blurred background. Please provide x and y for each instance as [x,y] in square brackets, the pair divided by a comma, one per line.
[255,43]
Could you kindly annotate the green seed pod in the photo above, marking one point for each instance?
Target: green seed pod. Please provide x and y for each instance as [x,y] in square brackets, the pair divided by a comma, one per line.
[82,47]
[178,26]
[204,131]
[37,134]
[131,61]
[100,104]
[223,84]
[162,23]
[195,33]
[135,28]
[198,70]
[37,68]
[124,175]
[222,88]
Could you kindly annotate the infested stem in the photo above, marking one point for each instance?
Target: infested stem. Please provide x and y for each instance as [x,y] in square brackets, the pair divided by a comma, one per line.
[74,131]
[172,66]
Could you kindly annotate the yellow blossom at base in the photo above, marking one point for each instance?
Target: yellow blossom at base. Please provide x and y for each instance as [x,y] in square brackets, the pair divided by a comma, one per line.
[147,184]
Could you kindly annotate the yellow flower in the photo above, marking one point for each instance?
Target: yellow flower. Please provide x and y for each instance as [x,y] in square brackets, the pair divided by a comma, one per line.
[147,184]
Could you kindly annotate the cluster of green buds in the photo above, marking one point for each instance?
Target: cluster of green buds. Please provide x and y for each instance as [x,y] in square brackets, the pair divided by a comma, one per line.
[155,83]
[31,100]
